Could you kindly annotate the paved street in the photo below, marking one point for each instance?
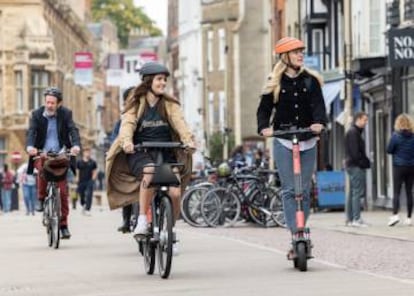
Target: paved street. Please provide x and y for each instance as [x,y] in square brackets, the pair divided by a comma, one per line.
[246,260]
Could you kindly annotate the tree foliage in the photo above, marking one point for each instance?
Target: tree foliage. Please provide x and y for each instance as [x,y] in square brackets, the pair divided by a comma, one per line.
[126,17]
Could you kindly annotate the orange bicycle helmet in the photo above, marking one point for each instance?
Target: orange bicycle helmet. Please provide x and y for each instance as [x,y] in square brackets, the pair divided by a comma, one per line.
[287,44]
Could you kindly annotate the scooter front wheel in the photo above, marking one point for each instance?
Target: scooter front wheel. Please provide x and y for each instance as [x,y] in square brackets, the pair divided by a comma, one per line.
[301,260]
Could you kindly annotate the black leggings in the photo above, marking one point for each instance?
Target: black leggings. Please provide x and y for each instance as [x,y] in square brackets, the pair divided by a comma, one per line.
[403,174]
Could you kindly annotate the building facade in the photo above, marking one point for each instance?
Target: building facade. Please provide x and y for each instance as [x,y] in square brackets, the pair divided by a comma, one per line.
[38,40]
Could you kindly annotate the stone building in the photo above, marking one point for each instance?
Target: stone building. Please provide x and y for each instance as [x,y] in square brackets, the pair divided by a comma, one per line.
[38,41]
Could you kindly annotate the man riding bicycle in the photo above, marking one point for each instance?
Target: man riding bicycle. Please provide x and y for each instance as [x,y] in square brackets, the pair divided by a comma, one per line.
[52,128]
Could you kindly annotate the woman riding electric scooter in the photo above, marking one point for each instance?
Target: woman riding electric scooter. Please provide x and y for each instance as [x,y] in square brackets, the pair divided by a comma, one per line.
[294,93]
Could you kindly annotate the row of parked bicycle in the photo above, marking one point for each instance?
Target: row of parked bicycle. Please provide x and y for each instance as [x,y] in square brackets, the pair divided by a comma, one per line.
[226,196]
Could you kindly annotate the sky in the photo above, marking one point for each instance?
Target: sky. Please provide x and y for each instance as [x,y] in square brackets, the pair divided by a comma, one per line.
[156,10]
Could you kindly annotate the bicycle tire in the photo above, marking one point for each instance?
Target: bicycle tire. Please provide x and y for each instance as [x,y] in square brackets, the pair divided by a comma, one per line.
[220,207]
[149,255]
[276,207]
[47,220]
[56,218]
[259,201]
[165,244]
[191,206]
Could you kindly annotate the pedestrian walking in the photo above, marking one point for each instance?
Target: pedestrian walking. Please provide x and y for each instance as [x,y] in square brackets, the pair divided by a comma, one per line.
[7,187]
[356,163]
[401,147]
[28,184]
[293,95]
[87,173]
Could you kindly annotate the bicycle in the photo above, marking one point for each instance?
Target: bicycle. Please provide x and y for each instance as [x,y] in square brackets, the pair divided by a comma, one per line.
[301,242]
[160,236]
[55,167]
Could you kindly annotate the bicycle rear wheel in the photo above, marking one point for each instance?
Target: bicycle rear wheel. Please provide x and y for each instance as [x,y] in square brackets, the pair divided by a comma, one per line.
[165,244]
[149,255]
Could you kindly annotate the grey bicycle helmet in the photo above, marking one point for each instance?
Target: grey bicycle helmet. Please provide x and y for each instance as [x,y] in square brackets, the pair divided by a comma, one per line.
[153,68]
[53,91]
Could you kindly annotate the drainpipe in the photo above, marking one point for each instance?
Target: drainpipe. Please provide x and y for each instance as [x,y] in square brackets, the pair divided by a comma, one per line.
[348,61]
[237,79]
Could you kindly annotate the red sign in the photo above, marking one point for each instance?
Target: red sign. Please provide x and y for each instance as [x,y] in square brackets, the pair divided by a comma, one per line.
[16,157]
[83,60]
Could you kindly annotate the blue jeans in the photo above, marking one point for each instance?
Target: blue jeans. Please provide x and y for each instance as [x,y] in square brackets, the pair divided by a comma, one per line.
[85,190]
[357,183]
[283,158]
[29,194]
[6,199]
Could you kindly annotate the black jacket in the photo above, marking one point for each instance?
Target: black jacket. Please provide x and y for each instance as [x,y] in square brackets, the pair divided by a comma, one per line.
[300,104]
[68,133]
[355,149]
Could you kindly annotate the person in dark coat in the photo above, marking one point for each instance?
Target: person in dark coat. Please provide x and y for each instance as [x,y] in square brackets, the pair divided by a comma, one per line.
[52,128]
[356,163]
[401,147]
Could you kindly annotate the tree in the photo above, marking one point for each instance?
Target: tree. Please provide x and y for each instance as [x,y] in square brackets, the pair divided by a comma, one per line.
[126,17]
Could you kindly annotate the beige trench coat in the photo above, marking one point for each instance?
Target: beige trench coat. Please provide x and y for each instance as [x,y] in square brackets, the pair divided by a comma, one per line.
[122,187]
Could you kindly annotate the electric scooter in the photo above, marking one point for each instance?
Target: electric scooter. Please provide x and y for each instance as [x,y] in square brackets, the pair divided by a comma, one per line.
[301,242]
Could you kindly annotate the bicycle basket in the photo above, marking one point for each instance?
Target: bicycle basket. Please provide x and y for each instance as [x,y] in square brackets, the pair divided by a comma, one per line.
[56,168]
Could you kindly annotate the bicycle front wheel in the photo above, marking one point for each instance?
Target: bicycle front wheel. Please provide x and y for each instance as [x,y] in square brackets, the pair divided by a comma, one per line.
[165,244]
[55,218]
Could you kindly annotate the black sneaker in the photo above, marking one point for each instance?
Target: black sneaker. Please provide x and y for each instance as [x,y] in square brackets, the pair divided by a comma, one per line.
[64,232]
[124,229]
[40,205]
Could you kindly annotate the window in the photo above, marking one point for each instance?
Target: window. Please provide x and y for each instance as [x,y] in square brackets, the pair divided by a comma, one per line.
[18,78]
[3,152]
[210,36]
[222,48]
[222,110]
[318,44]
[375,27]
[211,111]
[40,81]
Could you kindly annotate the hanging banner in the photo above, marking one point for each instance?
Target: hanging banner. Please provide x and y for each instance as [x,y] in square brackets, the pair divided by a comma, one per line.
[401,47]
[84,68]
[114,69]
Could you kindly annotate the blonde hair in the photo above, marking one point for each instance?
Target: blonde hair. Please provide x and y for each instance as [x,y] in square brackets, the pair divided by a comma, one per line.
[404,122]
[273,80]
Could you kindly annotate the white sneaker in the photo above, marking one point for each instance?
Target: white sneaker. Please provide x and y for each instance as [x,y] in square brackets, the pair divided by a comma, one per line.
[142,228]
[393,220]
[408,222]
[358,223]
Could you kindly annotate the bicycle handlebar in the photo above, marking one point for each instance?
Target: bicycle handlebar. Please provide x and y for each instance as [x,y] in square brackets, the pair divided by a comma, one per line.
[298,131]
[160,145]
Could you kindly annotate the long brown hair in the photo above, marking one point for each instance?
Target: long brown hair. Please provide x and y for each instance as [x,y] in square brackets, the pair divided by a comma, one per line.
[141,90]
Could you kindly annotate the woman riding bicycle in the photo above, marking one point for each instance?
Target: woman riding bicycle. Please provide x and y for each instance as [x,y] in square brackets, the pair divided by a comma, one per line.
[150,115]
[295,94]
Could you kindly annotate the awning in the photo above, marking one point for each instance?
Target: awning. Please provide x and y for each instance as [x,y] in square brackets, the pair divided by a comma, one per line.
[331,91]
